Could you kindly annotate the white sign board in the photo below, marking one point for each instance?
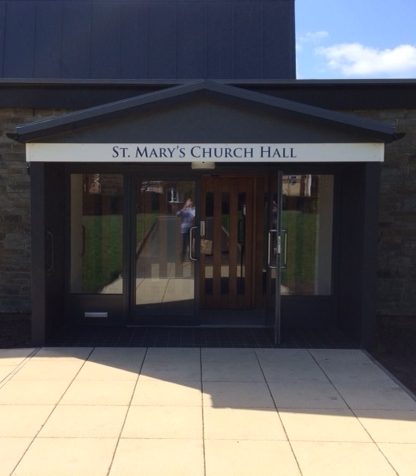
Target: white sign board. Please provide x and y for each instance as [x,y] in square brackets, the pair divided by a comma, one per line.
[185,152]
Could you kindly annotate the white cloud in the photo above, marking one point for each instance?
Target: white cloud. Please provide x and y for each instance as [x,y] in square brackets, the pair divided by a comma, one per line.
[354,59]
[311,37]
[315,36]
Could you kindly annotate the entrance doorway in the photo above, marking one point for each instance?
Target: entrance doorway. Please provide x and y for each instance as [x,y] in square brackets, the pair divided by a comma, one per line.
[236,280]
[201,251]
[177,252]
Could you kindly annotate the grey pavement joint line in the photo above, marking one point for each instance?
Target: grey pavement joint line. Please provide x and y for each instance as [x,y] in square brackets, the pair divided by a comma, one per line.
[278,414]
[19,367]
[329,380]
[127,412]
[353,412]
[53,409]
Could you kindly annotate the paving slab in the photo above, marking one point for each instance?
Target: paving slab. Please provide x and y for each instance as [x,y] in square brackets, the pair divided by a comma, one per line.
[131,356]
[63,353]
[172,370]
[102,392]
[11,452]
[67,457]
[306,393]
[85,421]
[248,458]
[209,412]
[401,457]
[33,392]
[341,458]
[375,395]
[389,426]
[49,369]
[23,420]
[178,355]
[237,395]
[158,457]
[5,371]
[242,424]
[323,425]
[231,372]
[14,356]
[109,371]
[161,392]
[228,355]
[170,422]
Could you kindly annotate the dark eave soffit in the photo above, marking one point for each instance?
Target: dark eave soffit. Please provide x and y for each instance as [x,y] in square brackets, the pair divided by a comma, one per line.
[335,95]
[39,130]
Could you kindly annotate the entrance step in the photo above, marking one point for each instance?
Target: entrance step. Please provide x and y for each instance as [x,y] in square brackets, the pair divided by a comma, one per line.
[199,337]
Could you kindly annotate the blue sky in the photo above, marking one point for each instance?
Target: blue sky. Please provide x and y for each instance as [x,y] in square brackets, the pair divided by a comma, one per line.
[355,39]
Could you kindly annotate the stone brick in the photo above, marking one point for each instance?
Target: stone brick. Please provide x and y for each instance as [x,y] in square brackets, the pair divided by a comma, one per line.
[15,241]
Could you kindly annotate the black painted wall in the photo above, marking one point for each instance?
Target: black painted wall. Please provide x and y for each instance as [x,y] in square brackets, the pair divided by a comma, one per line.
[153,39]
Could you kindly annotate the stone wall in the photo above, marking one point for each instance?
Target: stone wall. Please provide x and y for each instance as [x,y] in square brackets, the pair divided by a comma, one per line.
[397,232]
[397,218]
[14,217]
[397,239]
[15,251]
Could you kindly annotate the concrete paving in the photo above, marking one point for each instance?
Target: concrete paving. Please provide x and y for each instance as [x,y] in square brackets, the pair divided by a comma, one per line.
[209,412]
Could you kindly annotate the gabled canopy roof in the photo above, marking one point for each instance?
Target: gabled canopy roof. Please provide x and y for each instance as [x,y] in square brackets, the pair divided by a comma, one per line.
[368,130]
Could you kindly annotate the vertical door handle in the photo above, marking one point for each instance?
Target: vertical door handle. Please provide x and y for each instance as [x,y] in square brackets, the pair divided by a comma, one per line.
[83,241]
[284,246]
[269,246]
[51,265]
[192,243]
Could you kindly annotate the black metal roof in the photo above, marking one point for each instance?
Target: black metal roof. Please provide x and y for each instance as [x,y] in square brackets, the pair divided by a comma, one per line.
[40,130]
[147,39]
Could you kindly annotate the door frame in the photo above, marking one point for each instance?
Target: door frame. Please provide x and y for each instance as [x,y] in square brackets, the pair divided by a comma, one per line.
[355,197]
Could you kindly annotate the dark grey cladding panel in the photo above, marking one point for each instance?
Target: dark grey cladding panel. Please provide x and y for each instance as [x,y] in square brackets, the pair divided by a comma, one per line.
[154,39]
[210,121]
[18,37]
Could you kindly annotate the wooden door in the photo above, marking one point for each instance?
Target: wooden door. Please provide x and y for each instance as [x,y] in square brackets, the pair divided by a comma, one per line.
[234,215]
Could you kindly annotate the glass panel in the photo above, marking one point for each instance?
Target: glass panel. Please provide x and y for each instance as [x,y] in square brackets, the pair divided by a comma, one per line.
[241,243]
[208,269]
[225,243]
[165,213]
[307,217]
[96,233]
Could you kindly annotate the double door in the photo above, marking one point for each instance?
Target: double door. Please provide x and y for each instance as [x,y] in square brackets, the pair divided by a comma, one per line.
[175,252]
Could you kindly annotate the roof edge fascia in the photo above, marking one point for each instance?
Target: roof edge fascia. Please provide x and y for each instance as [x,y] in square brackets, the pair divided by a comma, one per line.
[58,124]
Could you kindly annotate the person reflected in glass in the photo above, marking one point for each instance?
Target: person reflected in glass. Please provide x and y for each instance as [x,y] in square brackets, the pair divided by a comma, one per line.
[187,215]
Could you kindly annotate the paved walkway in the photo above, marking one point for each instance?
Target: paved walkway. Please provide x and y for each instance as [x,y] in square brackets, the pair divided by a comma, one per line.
[214,412]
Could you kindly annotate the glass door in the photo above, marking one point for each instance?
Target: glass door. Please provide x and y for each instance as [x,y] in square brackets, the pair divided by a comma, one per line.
[164,252]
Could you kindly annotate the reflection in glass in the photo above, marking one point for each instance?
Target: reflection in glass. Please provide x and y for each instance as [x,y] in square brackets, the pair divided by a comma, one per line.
[225,243]
[307,218]
[164,271]
[96,233]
